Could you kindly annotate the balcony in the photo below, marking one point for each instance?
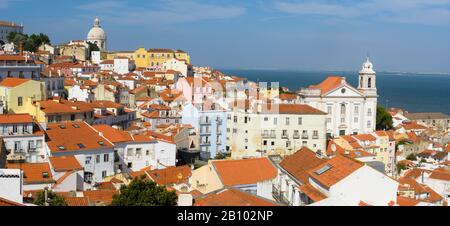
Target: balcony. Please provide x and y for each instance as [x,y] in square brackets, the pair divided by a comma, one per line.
[219,121]
[315,137]
[205,143]
[285,136]
[305,137]
[205,122]
[278,195]
[296,136]
[205,133]
[265,136]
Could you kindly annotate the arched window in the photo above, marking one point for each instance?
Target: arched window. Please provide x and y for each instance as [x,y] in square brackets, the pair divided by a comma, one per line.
[369,83]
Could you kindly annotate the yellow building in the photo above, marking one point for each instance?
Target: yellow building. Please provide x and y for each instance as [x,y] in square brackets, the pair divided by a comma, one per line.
[118,54]
[57,110]
[15,92]
[157,57]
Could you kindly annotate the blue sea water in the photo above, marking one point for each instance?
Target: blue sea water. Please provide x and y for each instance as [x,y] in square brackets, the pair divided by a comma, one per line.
[412,92]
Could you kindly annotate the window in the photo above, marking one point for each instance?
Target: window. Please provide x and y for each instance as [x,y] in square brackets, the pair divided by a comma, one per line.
[369,112]
[105,158]
[266,119]
[275,121]
[315,134]
[356,110]
[264,142]
[20,101]
[138,152]
[130,152]
[14,128]
[328,120]
[300,120]
[287,121]
[39,144]
[356,120]
[343,109]
[329,109]
[104,174]
[97,159]
[369,124]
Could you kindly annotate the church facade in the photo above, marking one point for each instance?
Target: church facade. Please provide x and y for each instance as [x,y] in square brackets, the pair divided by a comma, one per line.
[350,110]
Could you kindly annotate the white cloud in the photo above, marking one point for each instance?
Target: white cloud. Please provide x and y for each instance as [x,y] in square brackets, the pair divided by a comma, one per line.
[166,12]
[427,12]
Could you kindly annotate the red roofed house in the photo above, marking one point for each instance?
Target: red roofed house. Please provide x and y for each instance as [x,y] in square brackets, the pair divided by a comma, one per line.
[91,149]
[290,185]
[251,175]
[350,110]
[136,152]
[232,197]
[67,173]
[347,182]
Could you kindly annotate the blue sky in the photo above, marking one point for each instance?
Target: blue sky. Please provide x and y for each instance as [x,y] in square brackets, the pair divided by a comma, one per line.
[399,35]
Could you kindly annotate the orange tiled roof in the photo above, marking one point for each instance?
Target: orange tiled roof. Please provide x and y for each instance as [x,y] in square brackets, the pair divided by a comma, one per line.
[440,174]
[310,191]
[13,82]
[245,171]
[404,201]
[77,201]
[118,136]
[34,173]
[171,175]
[365,137]
[72,135]
[12,58]
[288,96]
[291,109]
[232,197]
[6,202]
[100,197]
[300,163]
[328,84]
[339,168]
[65,163]
[64,107]
[15,118]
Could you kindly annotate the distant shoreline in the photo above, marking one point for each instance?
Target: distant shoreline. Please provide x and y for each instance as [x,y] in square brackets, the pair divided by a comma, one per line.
[336,71]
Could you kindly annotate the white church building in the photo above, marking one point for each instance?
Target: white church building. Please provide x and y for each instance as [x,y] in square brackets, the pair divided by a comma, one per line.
[350,110]
[97,35]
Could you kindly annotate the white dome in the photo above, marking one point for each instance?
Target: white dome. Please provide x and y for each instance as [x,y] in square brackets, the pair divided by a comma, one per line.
[96,32]
[367,67]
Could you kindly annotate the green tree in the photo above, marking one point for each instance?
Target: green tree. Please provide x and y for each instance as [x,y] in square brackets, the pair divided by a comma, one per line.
[400,167]
[17,38]
[93,47]
[221,155]
[384,119]
[143,192]
[53,199]
[30,43]
[412,157]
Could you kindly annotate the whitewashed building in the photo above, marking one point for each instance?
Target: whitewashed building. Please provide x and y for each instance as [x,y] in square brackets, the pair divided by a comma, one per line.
[94,152]
[255,129]
[23,138]
[350,110]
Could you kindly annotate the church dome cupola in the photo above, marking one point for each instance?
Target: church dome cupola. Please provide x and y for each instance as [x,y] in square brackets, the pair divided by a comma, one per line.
[97,35]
